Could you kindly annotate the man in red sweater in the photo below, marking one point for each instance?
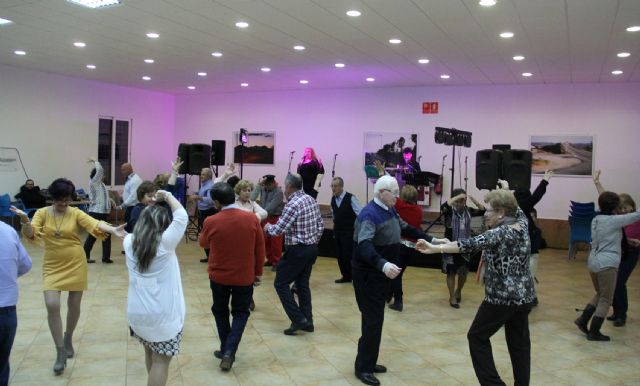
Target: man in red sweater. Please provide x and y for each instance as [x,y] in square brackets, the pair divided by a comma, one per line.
[236,255]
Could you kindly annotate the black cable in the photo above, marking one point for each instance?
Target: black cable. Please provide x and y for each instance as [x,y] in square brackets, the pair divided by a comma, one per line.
[24,170]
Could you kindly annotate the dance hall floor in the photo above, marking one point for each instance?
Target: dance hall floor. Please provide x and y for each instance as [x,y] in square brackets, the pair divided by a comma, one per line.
[423,345]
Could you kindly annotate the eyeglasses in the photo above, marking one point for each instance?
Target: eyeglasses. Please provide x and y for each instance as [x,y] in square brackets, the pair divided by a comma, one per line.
[395,193]
[63,201]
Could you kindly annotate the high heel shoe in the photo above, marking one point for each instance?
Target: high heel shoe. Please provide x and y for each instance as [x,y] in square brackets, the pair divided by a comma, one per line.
[61,361]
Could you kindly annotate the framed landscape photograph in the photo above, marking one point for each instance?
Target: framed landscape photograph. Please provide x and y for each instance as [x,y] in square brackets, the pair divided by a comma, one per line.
[259,150]
[565,155]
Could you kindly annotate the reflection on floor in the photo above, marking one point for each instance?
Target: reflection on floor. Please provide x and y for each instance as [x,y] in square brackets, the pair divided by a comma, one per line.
[423,345]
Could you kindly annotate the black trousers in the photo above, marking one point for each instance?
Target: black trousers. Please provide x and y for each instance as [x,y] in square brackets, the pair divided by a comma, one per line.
[370,289]
[202,214]
[295,267]
[344,247]
[230,333]
[620,299]
[487,322]
[395,289]
[106,243]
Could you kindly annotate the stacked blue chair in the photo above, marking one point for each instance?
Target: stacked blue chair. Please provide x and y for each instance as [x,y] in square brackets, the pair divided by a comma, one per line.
[7,215]
[580,216]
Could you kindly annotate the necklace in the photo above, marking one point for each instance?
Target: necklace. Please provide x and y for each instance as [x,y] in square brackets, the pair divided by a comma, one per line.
[57,232]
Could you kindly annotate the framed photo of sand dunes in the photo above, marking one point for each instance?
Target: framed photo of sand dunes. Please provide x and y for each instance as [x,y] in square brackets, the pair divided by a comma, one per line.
[566,155]
[259,150]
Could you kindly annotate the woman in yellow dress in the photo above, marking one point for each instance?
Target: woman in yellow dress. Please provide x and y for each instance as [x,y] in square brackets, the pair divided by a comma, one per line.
[64,266]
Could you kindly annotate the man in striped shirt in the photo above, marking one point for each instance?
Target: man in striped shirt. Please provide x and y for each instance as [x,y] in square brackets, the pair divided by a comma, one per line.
[302,226]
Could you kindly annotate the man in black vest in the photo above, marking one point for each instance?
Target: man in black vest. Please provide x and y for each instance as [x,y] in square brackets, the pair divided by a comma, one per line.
[345,208]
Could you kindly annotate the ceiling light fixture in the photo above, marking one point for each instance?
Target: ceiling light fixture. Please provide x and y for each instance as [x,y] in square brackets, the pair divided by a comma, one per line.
[623,54]
[423,61]
[20,52]
[217,54]
[616,72]
[339,65]
[91,66]
[265,69]
[487,3]
[95,3]
[633,28]
[353,13]
[191,87]
[518,58]
[445,76]
[242,24]
[506,35]
[5,21]
[527,74]
[146,78]
[370,79]
[80,44]
[395,41]
[150,61]
[244,84]
[202,74]
[153,35]
[304,81]
[299,48]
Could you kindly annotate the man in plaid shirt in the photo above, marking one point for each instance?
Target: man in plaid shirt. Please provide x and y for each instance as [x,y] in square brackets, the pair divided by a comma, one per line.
[302,226]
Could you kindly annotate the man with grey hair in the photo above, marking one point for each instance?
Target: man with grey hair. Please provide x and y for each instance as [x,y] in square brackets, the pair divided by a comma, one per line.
[377,237]
[344,208]
[205,204]
[129,195]
[302,226]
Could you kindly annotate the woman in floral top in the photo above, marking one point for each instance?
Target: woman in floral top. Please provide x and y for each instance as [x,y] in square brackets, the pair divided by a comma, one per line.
[509,289]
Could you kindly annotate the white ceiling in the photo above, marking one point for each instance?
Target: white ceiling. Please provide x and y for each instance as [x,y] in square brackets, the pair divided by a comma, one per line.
[564,41]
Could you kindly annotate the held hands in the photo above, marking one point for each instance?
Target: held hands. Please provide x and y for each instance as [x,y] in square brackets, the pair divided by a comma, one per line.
[437,241]
[162,195]
[547,175]
[391,270]
[634,242]
[426,247]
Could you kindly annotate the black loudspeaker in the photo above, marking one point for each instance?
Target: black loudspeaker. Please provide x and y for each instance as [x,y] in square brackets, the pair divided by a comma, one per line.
[183,153]
[488,168]
[516,169]
[218,152]
[199,157]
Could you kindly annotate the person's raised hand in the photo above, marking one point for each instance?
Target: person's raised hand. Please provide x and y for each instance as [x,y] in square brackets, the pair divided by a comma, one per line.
[547,175]
[596,176]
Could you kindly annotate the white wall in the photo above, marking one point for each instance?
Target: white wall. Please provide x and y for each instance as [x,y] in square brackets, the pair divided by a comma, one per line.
[53,121]
[334,121]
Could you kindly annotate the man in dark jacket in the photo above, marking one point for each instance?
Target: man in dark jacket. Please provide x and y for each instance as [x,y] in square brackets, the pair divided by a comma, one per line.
[31,196]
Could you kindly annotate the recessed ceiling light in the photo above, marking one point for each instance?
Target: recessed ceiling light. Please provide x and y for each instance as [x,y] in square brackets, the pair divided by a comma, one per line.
[146,78]
[20,52]
[242,24]
[5,21]
[91,66]
[518,58]
[95,3]
[616,72]
[304,81]
[487,3]
[527,74]
[80,44]
[217,54]
[265,69]
[445,76]
[202,74]
[395,41]
[370,79]
[191,87]
[299,48]
[339,65]
[423,61]
[149,61]
[244,84]
[633,28]
[354,13]
[153,35]
[623,54]
[506,35]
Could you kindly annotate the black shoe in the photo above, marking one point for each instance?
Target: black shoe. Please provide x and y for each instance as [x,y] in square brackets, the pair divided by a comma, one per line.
[534,303]
[268,264]
[122,252]
[368,379]
[619,322]
[612,317]
[454,305]
[397,306]
[594,333]
[205,260]
[107,261]
[342,280]
[90,261]
[583,320]
[458,298]
[304,324]
[309,328]
[227,362]
[217,354]
[378,369]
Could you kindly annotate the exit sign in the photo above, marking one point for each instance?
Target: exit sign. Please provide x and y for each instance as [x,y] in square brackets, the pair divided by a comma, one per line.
[430,108]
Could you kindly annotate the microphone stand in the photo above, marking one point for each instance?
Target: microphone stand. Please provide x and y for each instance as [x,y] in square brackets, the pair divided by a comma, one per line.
[290,159]
[439,219]
[466,177]
[333,168]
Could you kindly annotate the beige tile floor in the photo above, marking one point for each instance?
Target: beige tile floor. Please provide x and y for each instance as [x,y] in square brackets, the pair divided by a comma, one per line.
[424,345]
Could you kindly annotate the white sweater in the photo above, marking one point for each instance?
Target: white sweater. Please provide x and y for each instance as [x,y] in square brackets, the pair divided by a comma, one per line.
[155,304]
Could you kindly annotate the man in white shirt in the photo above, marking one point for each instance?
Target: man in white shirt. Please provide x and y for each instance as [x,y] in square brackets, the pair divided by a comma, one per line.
[129,195]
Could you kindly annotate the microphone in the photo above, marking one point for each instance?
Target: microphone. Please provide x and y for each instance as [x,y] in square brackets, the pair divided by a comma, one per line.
[419,158]
[335,155]
[445,157]
[293,152]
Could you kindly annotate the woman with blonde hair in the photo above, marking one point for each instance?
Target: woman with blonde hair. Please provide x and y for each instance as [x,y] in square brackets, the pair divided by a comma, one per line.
[243,191]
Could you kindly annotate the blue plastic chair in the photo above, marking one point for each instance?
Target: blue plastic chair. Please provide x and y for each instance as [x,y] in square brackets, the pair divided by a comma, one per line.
[583,206]
[579,232]
[6,215]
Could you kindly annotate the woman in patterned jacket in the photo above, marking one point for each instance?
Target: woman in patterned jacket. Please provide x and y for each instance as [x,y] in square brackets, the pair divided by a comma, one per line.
[509,290]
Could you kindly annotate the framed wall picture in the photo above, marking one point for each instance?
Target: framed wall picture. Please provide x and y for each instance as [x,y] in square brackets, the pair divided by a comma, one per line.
[565,155]
[259,149]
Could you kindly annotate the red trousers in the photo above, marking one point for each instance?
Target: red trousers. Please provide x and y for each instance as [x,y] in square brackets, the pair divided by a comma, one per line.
[273,245]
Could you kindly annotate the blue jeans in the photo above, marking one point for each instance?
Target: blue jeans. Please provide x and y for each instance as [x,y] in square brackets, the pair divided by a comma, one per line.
[8,326]
[230,333]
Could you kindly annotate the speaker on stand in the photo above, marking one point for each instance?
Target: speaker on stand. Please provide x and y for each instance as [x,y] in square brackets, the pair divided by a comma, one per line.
[218,148]
[516,169]
[488,168]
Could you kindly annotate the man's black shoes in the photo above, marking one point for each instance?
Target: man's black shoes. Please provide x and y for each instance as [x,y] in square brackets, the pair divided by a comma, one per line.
[304,325]
[368,379]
